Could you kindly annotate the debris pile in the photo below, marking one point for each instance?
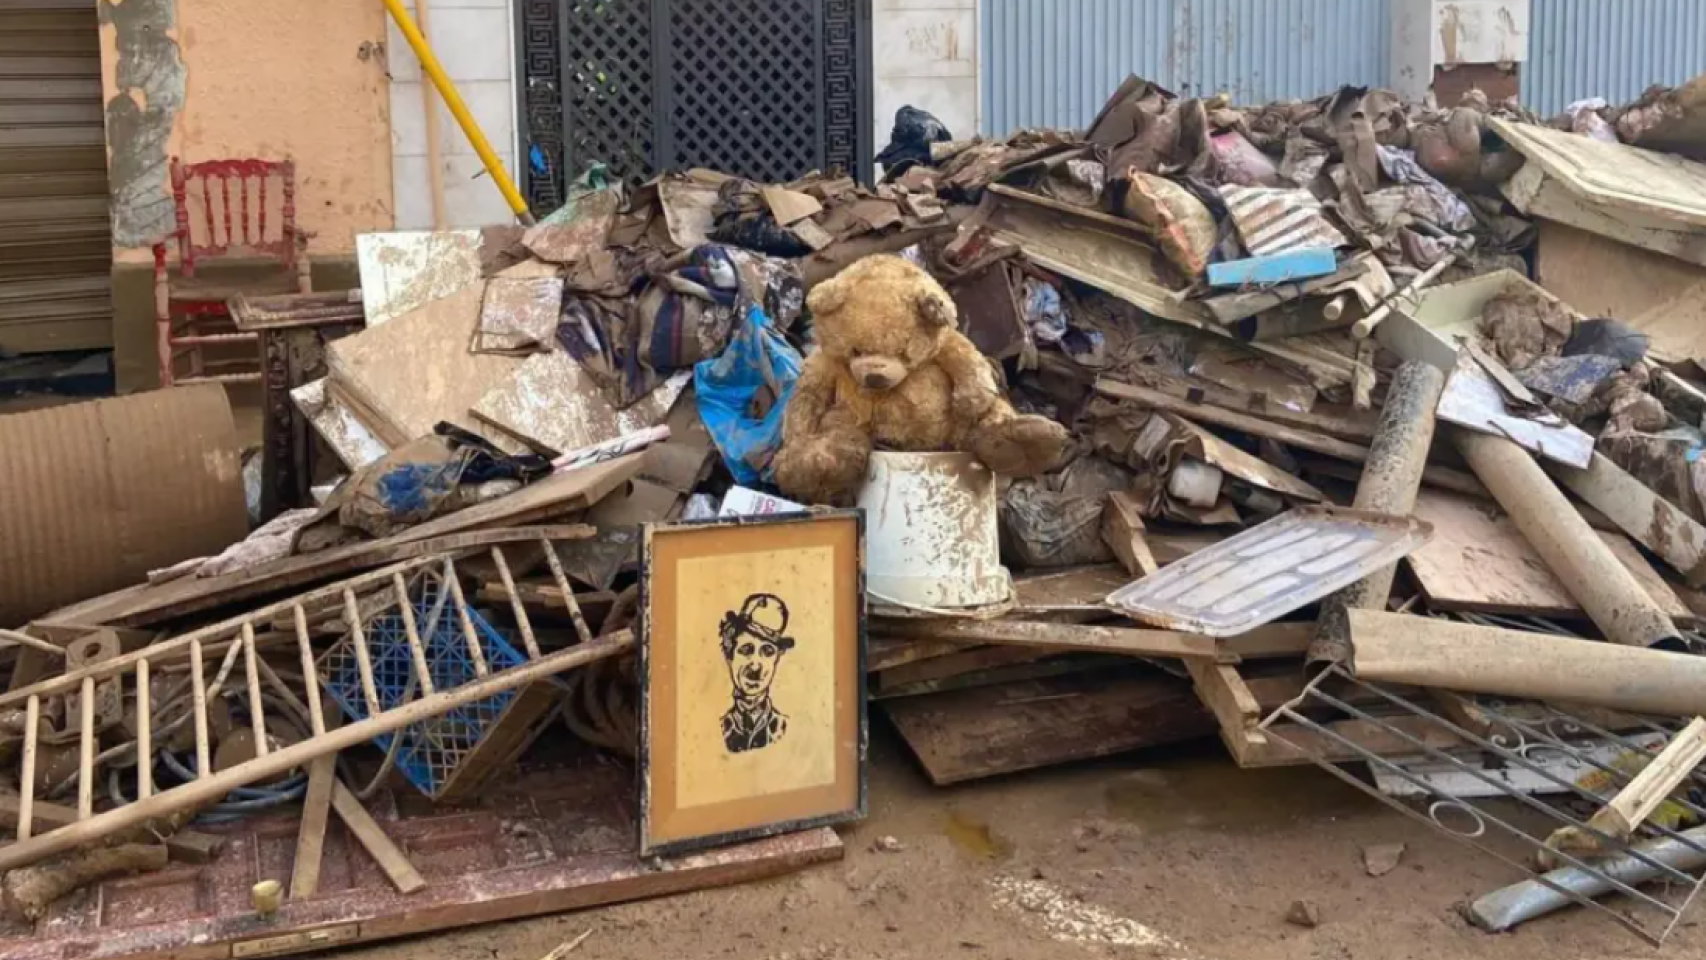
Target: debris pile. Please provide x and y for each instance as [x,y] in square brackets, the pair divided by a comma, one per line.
[1206,419]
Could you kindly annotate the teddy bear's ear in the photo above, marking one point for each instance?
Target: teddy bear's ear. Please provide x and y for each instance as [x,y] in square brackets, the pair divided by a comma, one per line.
[827,297]
[935,310]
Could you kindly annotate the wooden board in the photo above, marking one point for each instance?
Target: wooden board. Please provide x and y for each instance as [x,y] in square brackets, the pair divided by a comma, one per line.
[548,841]
[970,734]
[553,496]
[415,371]
[551,403]
[1479,562]
[1620,177]
[1660,296]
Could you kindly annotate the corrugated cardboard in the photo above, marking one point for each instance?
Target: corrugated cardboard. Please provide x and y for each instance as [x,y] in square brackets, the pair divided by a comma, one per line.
[94,495]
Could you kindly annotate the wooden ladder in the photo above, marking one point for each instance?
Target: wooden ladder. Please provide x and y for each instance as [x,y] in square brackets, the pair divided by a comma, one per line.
[358,601]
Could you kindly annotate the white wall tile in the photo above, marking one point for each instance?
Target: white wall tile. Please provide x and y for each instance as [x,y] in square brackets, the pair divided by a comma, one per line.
[471,199]
[472,42]
[491,102]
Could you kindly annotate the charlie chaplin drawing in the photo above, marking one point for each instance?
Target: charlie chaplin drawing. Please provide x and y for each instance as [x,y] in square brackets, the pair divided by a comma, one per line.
[753,643]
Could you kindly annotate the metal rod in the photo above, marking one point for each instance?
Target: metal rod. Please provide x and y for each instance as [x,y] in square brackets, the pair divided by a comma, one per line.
[212,788]
[469,634]
[257,714]
[310,678]
[1469,839]
[198,689]
[417,652]
[27,782]
[144,733]
[25,640]
[363,659]
[515,604]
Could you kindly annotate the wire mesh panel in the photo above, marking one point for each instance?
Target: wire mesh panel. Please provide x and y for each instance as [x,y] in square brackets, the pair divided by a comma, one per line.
[608,86]
[745,87]
[764,89]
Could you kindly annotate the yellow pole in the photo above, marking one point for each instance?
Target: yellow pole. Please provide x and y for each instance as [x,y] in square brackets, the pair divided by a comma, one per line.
[459,110]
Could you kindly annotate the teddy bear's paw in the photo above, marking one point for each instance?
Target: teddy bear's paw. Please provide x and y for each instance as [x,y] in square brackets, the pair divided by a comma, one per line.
[1022,447]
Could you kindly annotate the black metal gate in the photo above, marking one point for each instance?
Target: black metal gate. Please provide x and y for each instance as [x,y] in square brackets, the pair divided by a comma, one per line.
[764,89]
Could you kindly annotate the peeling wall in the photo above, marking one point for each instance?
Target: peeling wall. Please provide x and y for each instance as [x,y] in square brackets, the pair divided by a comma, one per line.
[218,79]
[143,80]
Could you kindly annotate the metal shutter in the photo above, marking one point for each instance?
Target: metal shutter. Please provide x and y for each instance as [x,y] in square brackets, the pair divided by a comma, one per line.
[55,236]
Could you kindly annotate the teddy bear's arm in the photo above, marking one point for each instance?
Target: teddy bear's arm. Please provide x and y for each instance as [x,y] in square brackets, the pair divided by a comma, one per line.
[975,390]
[813,396]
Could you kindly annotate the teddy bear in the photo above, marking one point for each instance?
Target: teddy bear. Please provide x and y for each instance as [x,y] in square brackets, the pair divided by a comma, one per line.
[892,371]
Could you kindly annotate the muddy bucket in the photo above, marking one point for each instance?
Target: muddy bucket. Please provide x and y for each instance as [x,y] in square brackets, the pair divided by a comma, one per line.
[931,540]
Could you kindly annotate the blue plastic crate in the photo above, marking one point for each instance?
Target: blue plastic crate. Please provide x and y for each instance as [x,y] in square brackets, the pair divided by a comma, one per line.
[431,750]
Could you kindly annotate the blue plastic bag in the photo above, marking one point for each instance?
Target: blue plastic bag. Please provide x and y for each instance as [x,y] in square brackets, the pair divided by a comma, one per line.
[756,360]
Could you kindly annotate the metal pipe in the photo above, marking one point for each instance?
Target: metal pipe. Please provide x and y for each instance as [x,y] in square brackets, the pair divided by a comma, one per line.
[1520,902]
[1592,574]
[453,101]
[1397,457]
[1397,648]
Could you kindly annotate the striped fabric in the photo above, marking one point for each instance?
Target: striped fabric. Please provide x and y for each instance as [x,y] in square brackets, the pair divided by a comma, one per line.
[1273,221]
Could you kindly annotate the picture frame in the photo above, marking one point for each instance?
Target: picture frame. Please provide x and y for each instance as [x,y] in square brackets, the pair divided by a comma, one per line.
[752,678]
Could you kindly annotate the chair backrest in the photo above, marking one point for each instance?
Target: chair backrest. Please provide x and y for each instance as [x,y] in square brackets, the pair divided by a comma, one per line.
[238,201]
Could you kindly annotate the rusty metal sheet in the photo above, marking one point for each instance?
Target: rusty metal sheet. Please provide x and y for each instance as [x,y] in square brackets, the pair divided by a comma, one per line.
[1271,570]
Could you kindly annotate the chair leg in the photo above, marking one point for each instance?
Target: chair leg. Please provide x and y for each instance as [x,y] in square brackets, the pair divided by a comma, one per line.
[163,333]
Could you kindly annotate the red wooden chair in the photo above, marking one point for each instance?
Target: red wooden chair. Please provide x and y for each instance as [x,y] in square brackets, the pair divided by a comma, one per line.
[236,209]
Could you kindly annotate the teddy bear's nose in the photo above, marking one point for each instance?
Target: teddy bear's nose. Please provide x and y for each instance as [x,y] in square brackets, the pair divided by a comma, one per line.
[875,380]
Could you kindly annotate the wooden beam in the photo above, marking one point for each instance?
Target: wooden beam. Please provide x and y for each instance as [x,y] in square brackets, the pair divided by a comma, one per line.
[1064,637]
[1653,785]
[1123,532]
[187,846]
[367,831]
[311,835]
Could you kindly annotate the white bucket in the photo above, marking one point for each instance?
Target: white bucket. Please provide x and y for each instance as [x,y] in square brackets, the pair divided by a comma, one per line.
[932,541]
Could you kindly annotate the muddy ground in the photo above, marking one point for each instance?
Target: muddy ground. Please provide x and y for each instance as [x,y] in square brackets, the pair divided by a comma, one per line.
[1177,855]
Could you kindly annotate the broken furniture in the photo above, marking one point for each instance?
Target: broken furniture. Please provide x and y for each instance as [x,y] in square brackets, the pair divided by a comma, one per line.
[223,211]
[427,692]
[293,330]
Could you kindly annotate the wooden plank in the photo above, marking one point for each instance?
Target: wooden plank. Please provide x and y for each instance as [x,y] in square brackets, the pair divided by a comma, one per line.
[311,836]
[1123,532]
[372,838]
[956,664]
[1660,296]
[460,531]
[1479,562]
[187,846]
[541,842]
[1653,785]
[414,371]
[1063,637]
[27,778]
[971,734]
[552,403]
[886,653]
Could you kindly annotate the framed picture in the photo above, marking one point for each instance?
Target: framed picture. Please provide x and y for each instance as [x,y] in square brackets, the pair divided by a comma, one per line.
[752,674]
